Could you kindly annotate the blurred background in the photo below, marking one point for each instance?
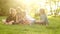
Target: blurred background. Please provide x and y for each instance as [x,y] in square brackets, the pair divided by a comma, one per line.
[52,7]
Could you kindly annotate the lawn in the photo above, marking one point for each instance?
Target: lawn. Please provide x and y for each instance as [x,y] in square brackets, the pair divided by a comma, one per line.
[53,28]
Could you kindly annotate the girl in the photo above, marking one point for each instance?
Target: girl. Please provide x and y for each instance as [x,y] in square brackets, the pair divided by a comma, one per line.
[11,18]
[19,16]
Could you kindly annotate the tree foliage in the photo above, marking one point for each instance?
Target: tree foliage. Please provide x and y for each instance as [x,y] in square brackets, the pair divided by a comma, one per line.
[5,5]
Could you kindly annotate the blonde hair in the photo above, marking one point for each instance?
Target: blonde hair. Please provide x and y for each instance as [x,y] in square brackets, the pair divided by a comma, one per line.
[20,12]
[12,11]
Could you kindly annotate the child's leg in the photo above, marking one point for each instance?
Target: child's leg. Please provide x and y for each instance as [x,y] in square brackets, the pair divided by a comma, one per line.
[32,22]
[39,22]
[11,22]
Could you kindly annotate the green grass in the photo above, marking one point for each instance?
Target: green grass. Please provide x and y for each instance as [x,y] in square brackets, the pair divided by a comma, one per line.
[53,28]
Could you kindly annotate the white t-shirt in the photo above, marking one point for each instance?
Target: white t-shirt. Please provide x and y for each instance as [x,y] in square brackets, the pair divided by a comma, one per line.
[28,17]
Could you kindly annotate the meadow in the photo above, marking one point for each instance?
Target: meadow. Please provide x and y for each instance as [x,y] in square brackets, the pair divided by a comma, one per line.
[52,28]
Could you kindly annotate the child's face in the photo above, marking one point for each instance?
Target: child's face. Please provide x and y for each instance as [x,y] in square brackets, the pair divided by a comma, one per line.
[42,11]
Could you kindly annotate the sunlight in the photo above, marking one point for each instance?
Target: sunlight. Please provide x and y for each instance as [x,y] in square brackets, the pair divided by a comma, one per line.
[35,5]
[54,7]
[28,3]
[48,8]
[59,3]
[18,1]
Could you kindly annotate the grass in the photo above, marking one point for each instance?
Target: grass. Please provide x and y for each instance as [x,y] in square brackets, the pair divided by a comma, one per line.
[53,28]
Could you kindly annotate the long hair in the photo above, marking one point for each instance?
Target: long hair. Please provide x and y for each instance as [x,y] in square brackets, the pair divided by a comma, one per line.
[12,11]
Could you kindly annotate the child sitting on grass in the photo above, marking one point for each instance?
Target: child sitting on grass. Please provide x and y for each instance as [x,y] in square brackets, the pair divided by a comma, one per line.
[43,18]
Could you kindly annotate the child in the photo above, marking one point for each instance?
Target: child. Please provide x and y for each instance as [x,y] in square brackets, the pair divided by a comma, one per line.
[19,16]
[11,18]
[43,17]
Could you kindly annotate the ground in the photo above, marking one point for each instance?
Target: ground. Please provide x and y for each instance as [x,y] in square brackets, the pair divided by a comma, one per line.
[52,28]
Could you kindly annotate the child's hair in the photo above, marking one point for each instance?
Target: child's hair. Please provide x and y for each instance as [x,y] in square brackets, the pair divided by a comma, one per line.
[19,11]
[12,12]
[42,11]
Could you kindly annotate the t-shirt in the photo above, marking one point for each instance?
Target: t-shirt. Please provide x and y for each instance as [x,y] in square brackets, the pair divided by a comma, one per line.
[44,18]
[31,19]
